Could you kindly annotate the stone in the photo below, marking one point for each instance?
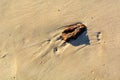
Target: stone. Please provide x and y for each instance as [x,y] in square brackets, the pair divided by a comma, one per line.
[71,32]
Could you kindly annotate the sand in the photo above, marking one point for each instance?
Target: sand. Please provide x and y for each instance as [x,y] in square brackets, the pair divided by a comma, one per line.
[30,48]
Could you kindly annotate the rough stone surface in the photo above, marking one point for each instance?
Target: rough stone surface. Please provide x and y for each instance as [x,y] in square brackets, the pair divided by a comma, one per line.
[73,31]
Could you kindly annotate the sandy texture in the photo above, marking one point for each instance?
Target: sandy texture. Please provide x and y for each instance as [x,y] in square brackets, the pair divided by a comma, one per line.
[30,48]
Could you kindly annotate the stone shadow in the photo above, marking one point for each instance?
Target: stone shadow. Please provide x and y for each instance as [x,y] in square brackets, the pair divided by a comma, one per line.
[81,39]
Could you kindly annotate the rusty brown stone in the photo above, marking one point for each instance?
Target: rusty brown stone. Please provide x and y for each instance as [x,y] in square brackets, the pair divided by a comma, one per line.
[73,31]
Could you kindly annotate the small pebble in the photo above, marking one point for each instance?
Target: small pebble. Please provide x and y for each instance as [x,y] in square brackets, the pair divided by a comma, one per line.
[55,49]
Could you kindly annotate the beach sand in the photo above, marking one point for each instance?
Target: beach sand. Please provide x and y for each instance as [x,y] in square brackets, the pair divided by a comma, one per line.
[30,48]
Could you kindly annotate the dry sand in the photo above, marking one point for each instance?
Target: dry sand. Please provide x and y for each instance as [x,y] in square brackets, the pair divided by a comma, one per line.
[30,49]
